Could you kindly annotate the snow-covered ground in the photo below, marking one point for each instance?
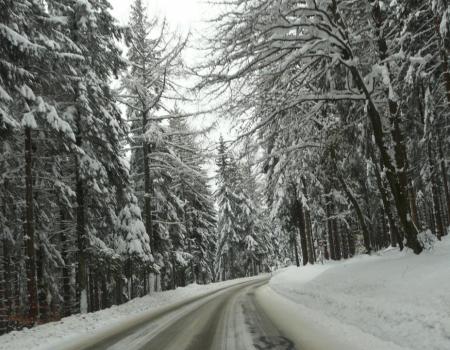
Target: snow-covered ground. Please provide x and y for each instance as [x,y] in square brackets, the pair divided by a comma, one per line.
[70,329]
[394,300]
[390,301]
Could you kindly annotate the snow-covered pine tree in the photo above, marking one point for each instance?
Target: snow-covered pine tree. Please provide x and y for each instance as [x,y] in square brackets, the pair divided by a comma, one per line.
[153,55]
[242,239]
[191,187]
[97,162]
[133,243]
[35,49]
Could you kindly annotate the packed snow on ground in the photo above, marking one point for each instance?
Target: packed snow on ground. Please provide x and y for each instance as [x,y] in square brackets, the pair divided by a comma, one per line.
[70,329]
[393,300]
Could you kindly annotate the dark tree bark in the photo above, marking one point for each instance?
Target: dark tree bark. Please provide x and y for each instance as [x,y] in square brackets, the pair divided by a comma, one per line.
[42,291]
[300,220]
[8,271]
[336,237]
[444,180]
[435,192]
[104,296]
[326,252]
[384,240]
[66,270]
[331,244]
[147,185]
[344,237]
[413,205]
[308,227]
[351,243]
[294,243]
[3,298]
[82,276]
[29,229]
[393,229]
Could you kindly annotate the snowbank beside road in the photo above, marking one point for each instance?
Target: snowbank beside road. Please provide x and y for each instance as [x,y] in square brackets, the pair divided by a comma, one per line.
[71,329]
[401,299]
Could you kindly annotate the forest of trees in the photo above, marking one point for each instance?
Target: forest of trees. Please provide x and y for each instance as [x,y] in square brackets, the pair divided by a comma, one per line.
[342,109]
[347,104]
[96,207]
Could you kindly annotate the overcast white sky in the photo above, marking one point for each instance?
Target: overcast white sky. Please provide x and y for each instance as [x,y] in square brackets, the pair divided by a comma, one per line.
[182,14]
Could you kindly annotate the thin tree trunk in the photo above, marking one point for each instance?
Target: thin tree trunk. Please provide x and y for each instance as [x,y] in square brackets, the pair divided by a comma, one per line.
[413,205]
[385,241]
[309,237]
[105,293]
[3,297]
[330,233]
[300,219]
[359,214]
[82,292]
[29,229]
[336,236]
[42,291]
[326,253]
[344,241]
[308,227]
[435,193]
[444,180]
[294,241]
[148,189]
[66,268]
[8,273]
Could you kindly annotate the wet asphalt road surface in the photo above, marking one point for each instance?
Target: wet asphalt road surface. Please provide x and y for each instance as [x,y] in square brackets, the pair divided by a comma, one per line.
[229,319]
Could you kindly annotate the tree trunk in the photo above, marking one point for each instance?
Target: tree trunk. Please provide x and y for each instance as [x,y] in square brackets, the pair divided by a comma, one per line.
[444,180]
[105,302]
[300,219]
[351,243]
[148,187]
[359,214]
[393,229]
[42,291]
[3,298]
[413,205]
[8,271]
[397,179]
[82,277]
[344,236]
[294,242]
[29,229]
[435,193]
[336,237]
[331,244]
[385,242]
[308,228]
[66,271]
[326,253]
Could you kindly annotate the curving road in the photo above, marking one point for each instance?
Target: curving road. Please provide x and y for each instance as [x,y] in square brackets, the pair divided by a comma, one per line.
[228,319]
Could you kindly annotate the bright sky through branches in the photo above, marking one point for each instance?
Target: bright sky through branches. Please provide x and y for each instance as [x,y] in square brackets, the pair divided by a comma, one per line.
[181,14]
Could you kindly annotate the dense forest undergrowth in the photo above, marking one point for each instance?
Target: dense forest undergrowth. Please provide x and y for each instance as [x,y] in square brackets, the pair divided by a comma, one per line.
[342,109]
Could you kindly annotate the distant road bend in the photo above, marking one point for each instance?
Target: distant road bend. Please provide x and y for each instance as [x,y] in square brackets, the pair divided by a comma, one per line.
[228,319]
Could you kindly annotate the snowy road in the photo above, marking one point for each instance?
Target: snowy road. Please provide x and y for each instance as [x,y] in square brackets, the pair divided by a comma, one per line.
[229,319]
